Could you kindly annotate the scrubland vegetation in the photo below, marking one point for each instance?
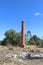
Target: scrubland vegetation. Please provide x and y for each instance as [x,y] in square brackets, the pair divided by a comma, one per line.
[14,38]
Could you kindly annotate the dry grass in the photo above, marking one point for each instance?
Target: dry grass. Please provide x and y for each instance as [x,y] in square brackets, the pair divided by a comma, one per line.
[5,50]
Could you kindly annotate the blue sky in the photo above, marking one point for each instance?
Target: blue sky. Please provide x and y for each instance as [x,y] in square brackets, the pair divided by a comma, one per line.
[12,12]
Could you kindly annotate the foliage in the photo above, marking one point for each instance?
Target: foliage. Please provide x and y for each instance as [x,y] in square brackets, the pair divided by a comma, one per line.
[12,38]
[0,42]
[32,42]
[36,39]
[28,35]
[41,43]
[3,42]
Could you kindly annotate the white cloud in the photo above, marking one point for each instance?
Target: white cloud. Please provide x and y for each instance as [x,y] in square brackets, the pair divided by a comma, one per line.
[37,14]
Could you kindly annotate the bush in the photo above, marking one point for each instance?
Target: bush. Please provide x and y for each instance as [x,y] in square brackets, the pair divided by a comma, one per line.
[41,44]
[32,42]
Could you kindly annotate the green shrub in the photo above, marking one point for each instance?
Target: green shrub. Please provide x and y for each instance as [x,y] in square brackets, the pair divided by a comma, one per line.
[32,42]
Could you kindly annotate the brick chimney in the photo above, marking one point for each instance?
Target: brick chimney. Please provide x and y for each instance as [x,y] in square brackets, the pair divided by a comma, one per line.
[22,35]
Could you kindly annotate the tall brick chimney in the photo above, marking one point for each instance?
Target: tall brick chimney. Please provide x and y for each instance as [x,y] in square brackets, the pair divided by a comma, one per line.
[22,35]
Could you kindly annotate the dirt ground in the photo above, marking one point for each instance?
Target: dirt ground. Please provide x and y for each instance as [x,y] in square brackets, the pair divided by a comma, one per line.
[4,50]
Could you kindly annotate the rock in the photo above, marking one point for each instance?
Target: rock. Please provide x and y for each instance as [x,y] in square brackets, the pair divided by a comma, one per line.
[14,55]
[11,56]
[41,55]
[36,56]
[20,60]
[23,55]
[8,55]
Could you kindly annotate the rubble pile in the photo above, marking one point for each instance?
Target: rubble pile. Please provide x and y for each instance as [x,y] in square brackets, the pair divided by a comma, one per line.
[24,56]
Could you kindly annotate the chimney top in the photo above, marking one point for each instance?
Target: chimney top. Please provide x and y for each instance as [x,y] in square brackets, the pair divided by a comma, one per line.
[22,21]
